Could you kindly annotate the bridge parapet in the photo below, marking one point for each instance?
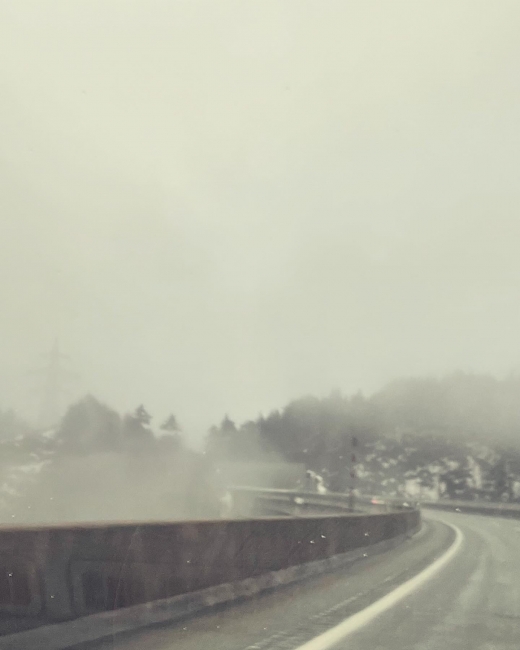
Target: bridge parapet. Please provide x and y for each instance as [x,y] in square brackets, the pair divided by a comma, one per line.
[64,572]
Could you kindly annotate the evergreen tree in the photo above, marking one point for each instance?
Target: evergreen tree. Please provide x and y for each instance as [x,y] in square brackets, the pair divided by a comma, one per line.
[142,416]
[171,424]
[89,426]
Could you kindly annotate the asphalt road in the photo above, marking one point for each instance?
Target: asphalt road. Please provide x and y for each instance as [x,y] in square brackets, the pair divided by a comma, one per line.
[472,602]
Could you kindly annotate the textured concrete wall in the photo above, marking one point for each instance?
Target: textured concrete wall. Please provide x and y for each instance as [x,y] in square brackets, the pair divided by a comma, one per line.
[65,572]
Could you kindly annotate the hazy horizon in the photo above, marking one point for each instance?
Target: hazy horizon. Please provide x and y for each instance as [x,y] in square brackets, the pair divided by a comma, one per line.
[217,207]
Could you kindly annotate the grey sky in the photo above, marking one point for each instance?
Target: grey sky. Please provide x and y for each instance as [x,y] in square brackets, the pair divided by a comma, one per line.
[218,206]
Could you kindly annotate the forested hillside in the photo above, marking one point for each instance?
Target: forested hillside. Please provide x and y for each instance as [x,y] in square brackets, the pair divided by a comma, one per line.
[458,436]
[97,465]
[454,437]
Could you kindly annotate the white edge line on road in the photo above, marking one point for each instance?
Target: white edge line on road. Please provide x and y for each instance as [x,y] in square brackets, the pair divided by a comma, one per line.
[355,622]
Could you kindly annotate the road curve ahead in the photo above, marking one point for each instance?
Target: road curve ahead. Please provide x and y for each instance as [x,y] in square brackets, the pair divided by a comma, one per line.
[389,602]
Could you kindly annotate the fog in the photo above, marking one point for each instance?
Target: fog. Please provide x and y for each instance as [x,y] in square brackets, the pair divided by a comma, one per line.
[217,207]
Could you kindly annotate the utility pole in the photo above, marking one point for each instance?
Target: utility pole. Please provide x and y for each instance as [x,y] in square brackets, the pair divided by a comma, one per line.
[353,475]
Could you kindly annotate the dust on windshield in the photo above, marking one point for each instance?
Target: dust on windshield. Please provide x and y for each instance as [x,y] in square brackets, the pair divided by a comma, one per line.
[259,309]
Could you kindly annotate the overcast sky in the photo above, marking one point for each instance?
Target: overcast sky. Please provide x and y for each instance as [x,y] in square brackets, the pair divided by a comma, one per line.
[218,206]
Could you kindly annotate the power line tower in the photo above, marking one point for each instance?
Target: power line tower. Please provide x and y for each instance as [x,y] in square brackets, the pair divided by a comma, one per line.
[55,379]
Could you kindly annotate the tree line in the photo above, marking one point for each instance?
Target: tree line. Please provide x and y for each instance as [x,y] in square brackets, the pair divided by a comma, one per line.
[98,465]
[458,434]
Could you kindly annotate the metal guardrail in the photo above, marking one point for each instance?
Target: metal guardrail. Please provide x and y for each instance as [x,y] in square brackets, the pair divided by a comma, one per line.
[297,502]
[511,510]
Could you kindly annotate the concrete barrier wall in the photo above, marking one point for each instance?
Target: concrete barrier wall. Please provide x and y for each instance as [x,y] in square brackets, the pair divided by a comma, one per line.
[64,572]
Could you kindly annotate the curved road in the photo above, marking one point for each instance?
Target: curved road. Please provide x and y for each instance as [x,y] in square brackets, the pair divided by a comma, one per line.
[472,602]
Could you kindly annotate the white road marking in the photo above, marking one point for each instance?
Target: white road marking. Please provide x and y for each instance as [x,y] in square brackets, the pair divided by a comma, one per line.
[355,622]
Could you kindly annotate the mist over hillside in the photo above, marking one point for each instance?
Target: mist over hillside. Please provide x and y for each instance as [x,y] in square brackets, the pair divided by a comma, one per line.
[457,436]
[98,466]
[426,438]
